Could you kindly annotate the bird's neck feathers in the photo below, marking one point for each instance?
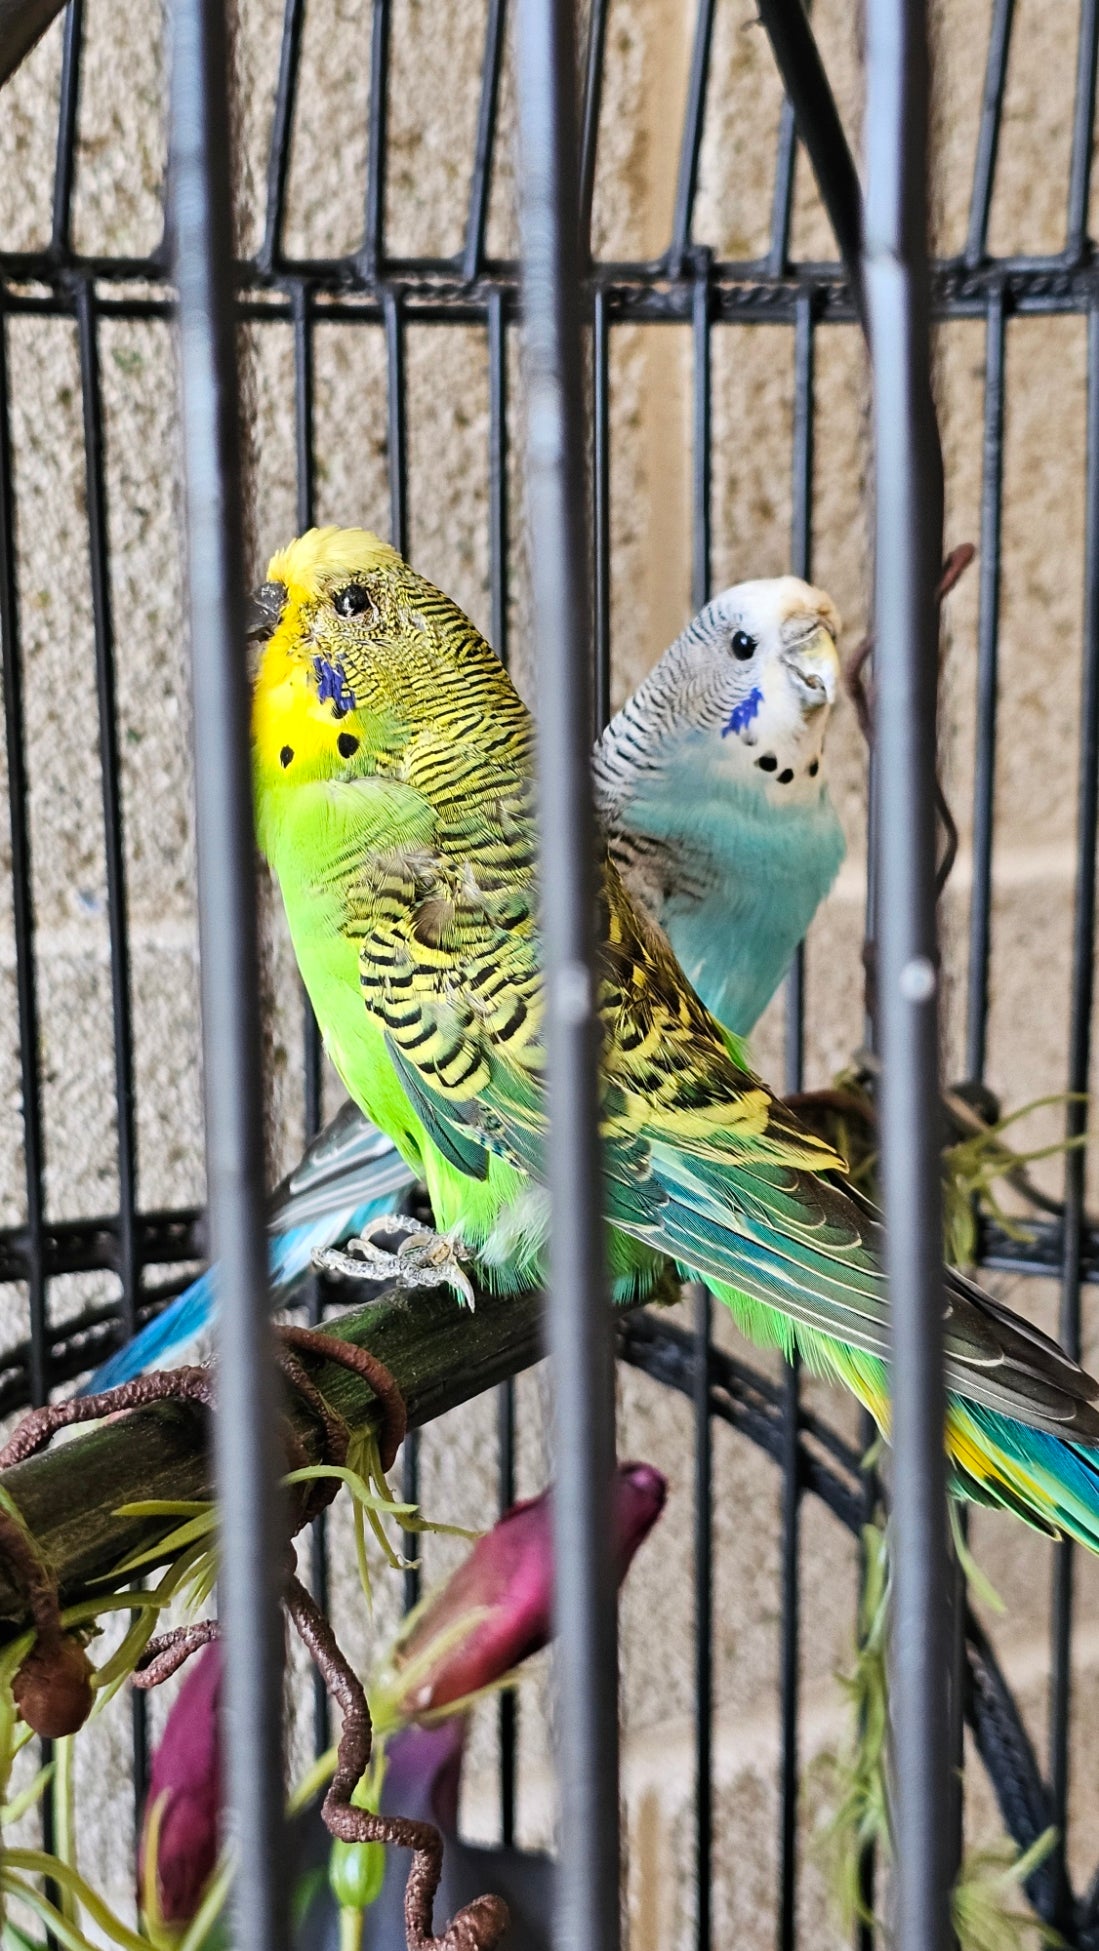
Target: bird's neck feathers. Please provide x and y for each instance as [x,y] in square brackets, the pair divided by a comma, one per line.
[669,752]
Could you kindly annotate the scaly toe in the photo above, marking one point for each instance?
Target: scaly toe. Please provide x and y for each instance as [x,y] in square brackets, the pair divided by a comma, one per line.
[423,1259]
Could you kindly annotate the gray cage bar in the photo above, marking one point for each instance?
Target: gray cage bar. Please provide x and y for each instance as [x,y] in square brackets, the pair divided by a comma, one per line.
[688,287]
[253,1523]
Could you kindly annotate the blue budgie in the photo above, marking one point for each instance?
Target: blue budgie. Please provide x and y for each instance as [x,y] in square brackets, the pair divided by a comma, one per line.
[712,788]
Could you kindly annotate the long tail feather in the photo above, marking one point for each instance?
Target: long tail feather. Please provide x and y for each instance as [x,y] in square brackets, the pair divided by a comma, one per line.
[1048,1480]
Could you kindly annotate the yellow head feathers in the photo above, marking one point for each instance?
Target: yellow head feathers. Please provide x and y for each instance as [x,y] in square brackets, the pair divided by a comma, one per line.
[322,554]
[362,656]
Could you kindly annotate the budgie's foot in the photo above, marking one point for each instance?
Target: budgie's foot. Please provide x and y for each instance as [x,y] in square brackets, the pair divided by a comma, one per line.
[423,1259]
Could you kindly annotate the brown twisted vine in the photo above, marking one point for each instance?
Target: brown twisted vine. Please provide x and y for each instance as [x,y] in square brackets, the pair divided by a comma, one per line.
[373,1372]
[52,1688]
[167,1653]
[481,1924]
[954,568]
[40,1426]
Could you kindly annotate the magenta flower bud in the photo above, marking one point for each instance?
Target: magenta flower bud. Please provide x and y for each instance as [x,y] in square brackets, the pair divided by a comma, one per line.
[507,1584]
[185,1790]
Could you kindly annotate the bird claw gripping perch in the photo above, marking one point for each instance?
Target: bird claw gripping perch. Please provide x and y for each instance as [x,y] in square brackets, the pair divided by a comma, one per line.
[423,1259]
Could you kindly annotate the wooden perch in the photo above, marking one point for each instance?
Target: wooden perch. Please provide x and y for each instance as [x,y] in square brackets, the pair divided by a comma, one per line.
[439,1354]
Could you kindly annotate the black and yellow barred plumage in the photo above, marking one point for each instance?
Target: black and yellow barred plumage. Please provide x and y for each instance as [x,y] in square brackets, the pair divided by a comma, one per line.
[394,766]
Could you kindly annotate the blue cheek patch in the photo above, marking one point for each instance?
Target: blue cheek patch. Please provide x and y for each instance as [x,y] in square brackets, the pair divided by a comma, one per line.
[742,714]
[332,686]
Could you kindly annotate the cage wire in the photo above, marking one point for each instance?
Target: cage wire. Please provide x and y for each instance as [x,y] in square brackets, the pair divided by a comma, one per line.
[378,287]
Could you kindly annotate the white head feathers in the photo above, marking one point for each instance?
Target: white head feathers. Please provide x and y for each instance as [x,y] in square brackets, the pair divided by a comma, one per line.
[749,684]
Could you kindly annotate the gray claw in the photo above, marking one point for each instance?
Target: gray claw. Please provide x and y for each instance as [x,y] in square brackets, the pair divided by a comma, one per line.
[423,1259]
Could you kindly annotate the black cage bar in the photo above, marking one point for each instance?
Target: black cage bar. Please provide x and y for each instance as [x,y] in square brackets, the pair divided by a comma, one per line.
[576,303]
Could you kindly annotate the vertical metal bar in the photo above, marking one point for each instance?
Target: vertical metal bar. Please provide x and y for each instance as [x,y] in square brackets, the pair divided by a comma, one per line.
[701,573]
[1079,1061]
[690,147]
[805,80]
[301,303]
[866,1867]
[481,183]
[252,1516]
[282,132]
[988,634]
[782,203]
[22,891]
[302,309]
[499,526]
[700,436]
[26,975]
[601,505]
[1077,245]
[508,1720]
[312,1053]
[129,1260]
[589,130]
[801,551]
[373,251]
[121,1023]
[908,554]
[393,314]
[704,1621]
[396,424]
[65,165]
[587,1916]
[801,537]
[988,134]
[508,1726]
[790,1652]
[410,1491]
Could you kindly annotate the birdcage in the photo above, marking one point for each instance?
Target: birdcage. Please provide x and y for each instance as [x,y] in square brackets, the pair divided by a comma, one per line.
[695,407]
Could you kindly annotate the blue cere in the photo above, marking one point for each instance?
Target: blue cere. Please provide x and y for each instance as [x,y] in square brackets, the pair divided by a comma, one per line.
[332,686]
[742,714]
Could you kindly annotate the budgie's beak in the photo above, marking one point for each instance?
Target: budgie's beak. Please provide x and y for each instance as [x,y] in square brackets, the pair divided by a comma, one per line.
[813,665]
[264,610]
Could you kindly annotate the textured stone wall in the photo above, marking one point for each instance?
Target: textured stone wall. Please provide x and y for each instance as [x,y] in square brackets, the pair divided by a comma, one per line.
[437,51]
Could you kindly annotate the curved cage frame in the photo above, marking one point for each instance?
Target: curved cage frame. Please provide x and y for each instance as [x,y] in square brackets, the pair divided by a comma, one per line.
[686,285]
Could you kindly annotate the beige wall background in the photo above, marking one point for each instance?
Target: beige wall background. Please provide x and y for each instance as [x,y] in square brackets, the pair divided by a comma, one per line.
[433,104]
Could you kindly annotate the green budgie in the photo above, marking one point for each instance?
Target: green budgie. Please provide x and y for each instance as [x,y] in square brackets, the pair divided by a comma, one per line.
[394,789]
[711,789]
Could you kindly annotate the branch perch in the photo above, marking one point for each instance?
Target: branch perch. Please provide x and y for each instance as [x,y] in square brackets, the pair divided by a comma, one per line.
[439,1355]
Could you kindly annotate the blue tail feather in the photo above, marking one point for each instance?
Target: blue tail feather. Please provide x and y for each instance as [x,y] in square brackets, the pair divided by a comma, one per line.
[181,1322]
[290,1257]
[1049,1480]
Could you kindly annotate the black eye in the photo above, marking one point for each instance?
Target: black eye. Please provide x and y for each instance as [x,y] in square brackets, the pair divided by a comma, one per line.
[743,644]
[351,601]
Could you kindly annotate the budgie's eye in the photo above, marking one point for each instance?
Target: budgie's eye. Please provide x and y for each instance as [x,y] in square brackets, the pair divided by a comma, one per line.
[351,601]
[743,645]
